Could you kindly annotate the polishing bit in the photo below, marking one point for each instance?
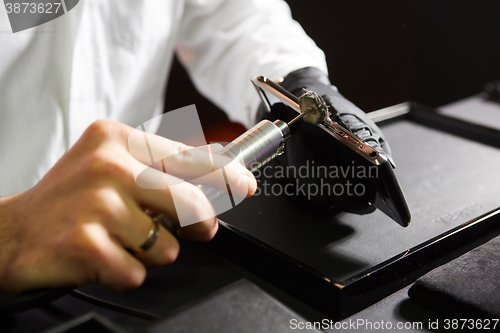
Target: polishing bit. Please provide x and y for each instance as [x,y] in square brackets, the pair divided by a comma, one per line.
[313,109]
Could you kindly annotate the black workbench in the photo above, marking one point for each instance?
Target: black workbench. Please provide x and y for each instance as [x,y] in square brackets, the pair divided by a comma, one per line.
[199,272]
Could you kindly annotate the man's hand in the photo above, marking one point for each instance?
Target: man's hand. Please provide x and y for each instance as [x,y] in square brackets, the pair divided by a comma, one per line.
[75,226]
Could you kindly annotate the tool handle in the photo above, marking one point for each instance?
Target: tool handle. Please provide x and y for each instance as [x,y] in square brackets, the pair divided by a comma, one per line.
[254,148]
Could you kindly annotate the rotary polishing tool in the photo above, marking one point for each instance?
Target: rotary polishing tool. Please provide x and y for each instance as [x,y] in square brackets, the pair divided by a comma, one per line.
[266,140]
[260,144]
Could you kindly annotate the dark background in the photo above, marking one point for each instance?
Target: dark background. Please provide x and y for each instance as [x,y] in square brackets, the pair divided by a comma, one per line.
[381,53]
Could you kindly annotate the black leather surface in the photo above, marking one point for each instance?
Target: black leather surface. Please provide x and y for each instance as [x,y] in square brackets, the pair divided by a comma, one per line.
[450,174]
[240,307]
[447,180]
[467,287]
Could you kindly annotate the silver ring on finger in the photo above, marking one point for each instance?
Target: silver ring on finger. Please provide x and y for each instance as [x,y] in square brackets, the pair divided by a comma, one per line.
[151,238]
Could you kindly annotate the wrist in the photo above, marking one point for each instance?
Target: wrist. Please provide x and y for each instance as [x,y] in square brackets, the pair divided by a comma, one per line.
[7,237]
[5,211]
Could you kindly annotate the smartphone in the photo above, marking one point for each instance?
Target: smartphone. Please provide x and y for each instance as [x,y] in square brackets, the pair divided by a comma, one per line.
[389,197]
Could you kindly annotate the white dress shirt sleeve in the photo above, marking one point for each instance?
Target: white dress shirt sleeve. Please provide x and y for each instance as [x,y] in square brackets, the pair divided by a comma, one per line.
[223,43]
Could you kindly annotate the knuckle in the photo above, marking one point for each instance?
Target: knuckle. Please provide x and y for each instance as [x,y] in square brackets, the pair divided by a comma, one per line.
[101,164]
[106,204]
[100,129]
[94,163]
[184,155]
[87,244]
[84,243]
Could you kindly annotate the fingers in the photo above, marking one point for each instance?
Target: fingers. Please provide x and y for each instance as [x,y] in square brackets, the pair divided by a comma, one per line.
[148,150]
[112,265]
[81,218]
[92,255]
[182,202]
[189,163]
[163,189]
[167,194]
[115,267]
[164,251]
[133,231]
